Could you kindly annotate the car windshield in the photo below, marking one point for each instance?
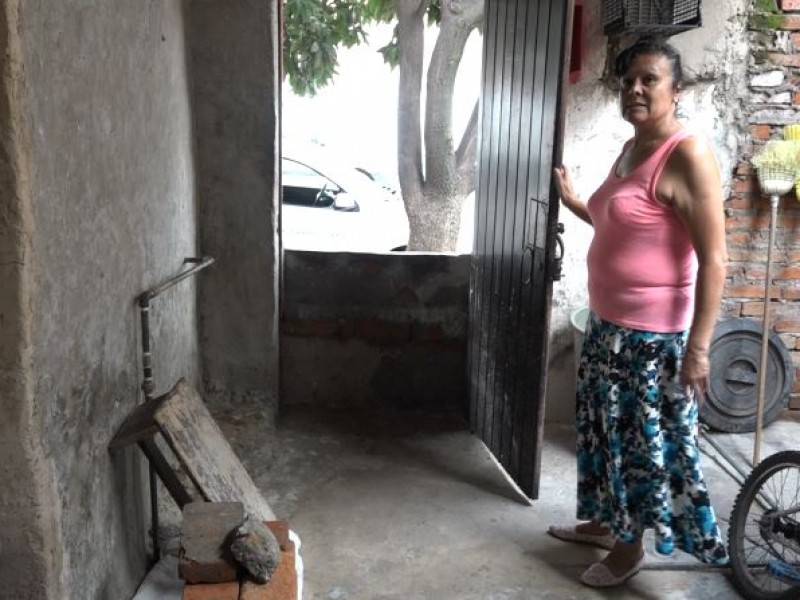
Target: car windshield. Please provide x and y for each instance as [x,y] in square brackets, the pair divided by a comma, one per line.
[313,170]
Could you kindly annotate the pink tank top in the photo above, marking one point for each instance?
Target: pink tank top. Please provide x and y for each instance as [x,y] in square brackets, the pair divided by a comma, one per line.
[642,265]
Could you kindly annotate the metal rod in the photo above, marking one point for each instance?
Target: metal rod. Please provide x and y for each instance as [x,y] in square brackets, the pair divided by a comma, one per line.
[199,265]
[148,383]
[724,454]
[762,370]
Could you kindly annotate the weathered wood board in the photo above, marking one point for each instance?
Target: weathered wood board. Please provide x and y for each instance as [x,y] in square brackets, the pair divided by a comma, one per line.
[201,447]
[181,418]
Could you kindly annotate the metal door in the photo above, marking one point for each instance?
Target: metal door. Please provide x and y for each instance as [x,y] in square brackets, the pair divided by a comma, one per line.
[515,257]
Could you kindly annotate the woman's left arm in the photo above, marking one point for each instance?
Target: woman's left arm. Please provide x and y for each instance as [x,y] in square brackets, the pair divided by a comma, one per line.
[696,193]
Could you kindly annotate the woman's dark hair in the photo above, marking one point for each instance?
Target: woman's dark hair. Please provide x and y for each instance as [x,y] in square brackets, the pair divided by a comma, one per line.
[650,45]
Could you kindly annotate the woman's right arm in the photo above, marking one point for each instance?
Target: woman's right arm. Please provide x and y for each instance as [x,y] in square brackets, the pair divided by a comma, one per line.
[568,196]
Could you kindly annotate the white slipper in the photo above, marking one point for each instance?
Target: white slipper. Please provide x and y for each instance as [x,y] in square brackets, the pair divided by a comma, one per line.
[568,534]
[600,576]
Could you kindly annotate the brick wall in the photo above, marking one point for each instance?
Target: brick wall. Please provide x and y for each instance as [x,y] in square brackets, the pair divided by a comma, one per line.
[773,102]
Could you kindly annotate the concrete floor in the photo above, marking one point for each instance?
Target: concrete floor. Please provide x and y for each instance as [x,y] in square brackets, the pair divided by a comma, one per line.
[411,506]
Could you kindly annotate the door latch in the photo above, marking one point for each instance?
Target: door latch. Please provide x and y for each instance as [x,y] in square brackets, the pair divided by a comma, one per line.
[557,261]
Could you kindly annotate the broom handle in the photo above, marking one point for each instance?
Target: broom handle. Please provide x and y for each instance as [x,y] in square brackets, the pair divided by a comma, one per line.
[762,370]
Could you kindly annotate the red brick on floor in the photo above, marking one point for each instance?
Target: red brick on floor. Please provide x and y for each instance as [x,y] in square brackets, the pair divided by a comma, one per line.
[230,590]
[204,551]
[282,586]
[280,529]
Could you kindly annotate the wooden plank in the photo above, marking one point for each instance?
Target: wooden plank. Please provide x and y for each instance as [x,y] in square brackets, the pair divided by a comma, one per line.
[199,444]
[176,488]
[138,425]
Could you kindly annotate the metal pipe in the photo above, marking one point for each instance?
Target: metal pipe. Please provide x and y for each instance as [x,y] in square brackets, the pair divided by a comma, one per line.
[199,265]
[148,383]
[762,370]
[722,452]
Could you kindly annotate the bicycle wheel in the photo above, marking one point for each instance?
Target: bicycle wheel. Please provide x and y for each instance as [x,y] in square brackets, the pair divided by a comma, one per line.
[764,535]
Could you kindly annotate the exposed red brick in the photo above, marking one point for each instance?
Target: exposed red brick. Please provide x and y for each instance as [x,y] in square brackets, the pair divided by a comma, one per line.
[212,591]
[790,293]
[737,254]
[745,185]
[788,220]
[792,272]
[282,586]
[791,22]
[747,221]
[312,328]
[790,4]
[796,40]
[739,201]
[206,526]
[744,168]
[751,291]
[786,325]
[382,331]
[760,132]
[740,238]
[784,60]
[757,273]
[797,98]
[752,309]
[427,332]
[280,529]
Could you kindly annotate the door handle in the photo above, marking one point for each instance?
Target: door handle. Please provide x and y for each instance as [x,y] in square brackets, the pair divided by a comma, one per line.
[557,261]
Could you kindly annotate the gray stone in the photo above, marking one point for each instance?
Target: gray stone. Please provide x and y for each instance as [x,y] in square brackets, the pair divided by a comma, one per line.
[255,548]
[777,116]
[767,79]
[782,98]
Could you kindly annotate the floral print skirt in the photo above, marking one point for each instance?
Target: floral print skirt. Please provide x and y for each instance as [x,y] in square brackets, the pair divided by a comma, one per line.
[638,459]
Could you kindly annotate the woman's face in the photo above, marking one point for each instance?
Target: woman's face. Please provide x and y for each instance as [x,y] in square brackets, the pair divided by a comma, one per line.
[647,91]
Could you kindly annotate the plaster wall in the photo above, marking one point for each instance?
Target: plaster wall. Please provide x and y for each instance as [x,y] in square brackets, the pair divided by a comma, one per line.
[715,63]
[111,211]
[234,59]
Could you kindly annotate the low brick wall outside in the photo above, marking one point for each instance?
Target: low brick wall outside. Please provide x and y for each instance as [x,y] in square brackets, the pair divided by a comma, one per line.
[374,330]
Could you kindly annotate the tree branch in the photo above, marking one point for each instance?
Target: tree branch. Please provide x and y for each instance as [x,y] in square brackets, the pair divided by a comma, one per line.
[459,18]
[466,159]
[411,40]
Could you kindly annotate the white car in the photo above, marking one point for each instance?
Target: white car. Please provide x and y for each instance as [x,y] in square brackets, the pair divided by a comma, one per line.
[332,207]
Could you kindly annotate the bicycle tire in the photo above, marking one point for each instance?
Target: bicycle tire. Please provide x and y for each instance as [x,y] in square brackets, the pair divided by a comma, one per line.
[748,549]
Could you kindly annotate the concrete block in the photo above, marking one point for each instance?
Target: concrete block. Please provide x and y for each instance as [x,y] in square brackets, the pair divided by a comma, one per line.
[230,590]
[205,554]
[282,586]
[790,5]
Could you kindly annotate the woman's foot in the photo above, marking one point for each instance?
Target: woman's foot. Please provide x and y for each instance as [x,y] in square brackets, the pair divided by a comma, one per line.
[591,528]
[590,533]
[622,563]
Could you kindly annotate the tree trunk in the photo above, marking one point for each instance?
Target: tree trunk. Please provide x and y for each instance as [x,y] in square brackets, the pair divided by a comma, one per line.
[435,223]
[434,198]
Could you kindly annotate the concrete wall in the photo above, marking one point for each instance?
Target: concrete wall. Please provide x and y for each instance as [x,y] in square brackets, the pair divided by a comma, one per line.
[375,330]
[715,63]
[234,61]
[99,202]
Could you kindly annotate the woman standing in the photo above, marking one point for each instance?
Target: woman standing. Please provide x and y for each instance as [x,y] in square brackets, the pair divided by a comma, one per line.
[656,276]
